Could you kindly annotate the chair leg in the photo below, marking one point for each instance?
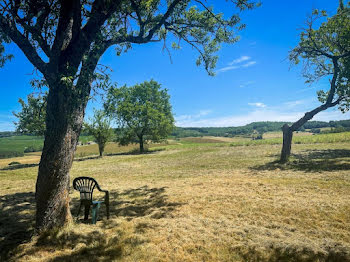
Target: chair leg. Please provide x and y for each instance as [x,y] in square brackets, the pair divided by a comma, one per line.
[107,207]
[107,203]
[95,208]
[87,210]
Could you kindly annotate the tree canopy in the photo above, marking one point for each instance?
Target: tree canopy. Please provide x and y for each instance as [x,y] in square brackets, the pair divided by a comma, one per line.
[325,52]
[31,118]
[143,112]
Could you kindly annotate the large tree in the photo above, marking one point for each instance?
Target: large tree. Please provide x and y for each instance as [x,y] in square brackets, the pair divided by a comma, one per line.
[325,52]
[64,40]
[143,112]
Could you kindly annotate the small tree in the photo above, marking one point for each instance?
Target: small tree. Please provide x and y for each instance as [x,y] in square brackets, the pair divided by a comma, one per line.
[100,128]
[326,53]
[31,118]
[143,112]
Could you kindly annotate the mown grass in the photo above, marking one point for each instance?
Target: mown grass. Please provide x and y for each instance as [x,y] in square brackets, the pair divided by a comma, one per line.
[195,202]
[298,139]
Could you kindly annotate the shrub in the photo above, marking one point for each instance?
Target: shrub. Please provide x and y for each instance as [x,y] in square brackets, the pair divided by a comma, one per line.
[14,163]
[31,149]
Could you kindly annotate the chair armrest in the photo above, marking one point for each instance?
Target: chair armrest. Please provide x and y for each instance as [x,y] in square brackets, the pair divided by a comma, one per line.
[106,194]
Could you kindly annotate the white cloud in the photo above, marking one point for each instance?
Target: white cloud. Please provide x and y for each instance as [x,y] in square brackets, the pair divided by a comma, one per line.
[240,60]
[237,63]
[227,68]
[251,63]
[258,104]
[190,118]
[248,83]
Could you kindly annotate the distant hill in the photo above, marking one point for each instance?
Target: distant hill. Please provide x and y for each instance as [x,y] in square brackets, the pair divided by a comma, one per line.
[260,127]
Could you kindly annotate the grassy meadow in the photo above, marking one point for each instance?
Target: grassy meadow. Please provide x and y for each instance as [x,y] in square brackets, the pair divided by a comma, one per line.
[195,199]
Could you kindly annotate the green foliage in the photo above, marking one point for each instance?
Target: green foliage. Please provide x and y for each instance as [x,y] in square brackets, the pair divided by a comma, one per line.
[143,112]
[325,52]
[100,128]
[31,119]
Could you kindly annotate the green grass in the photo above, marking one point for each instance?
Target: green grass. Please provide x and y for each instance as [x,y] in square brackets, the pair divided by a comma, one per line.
[15,145]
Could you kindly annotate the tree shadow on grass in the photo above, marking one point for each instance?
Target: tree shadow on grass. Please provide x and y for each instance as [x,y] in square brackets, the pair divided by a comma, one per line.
[17,225]
[313,161]
[293,253]
[19,166]
[93,245]
[132,152]
[137,202]
[16,221]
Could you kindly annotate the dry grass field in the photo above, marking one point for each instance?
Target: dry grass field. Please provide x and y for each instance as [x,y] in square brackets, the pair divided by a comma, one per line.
[192,201]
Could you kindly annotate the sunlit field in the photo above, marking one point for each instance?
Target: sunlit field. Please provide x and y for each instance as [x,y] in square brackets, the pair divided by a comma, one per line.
[198,199]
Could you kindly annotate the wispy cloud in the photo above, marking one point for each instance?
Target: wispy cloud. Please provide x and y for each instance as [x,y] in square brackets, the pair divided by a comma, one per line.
[241,62]
[251,63]
[258,104]
[227,68]
[248,83]
[194,117]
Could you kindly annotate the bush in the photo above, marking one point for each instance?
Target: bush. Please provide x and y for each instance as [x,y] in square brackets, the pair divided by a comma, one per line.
[10,154]
[31,149]
[14,163]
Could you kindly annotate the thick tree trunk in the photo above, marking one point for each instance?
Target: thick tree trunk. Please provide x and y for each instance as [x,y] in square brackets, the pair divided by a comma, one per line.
[141,144]
[65,114]
[287,143]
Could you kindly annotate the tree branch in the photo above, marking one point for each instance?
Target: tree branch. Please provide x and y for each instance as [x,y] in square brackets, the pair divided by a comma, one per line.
[23,43]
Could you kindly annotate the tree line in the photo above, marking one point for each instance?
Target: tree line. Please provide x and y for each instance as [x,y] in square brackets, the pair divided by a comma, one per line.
[260,127]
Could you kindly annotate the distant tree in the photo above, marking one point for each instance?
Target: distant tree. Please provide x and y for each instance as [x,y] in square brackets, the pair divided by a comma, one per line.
[100,128]
[31,118]
[326,53]
[143,112]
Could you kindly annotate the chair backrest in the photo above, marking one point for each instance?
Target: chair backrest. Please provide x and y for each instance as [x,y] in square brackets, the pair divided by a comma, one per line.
[85,185]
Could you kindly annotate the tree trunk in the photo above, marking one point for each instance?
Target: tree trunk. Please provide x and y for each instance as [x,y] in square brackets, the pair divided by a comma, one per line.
[288,130]
[287,143]
[101,148]
[65,114]
[141,144]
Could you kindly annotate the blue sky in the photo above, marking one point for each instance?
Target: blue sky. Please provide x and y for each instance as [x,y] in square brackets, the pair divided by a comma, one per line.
[254,81]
